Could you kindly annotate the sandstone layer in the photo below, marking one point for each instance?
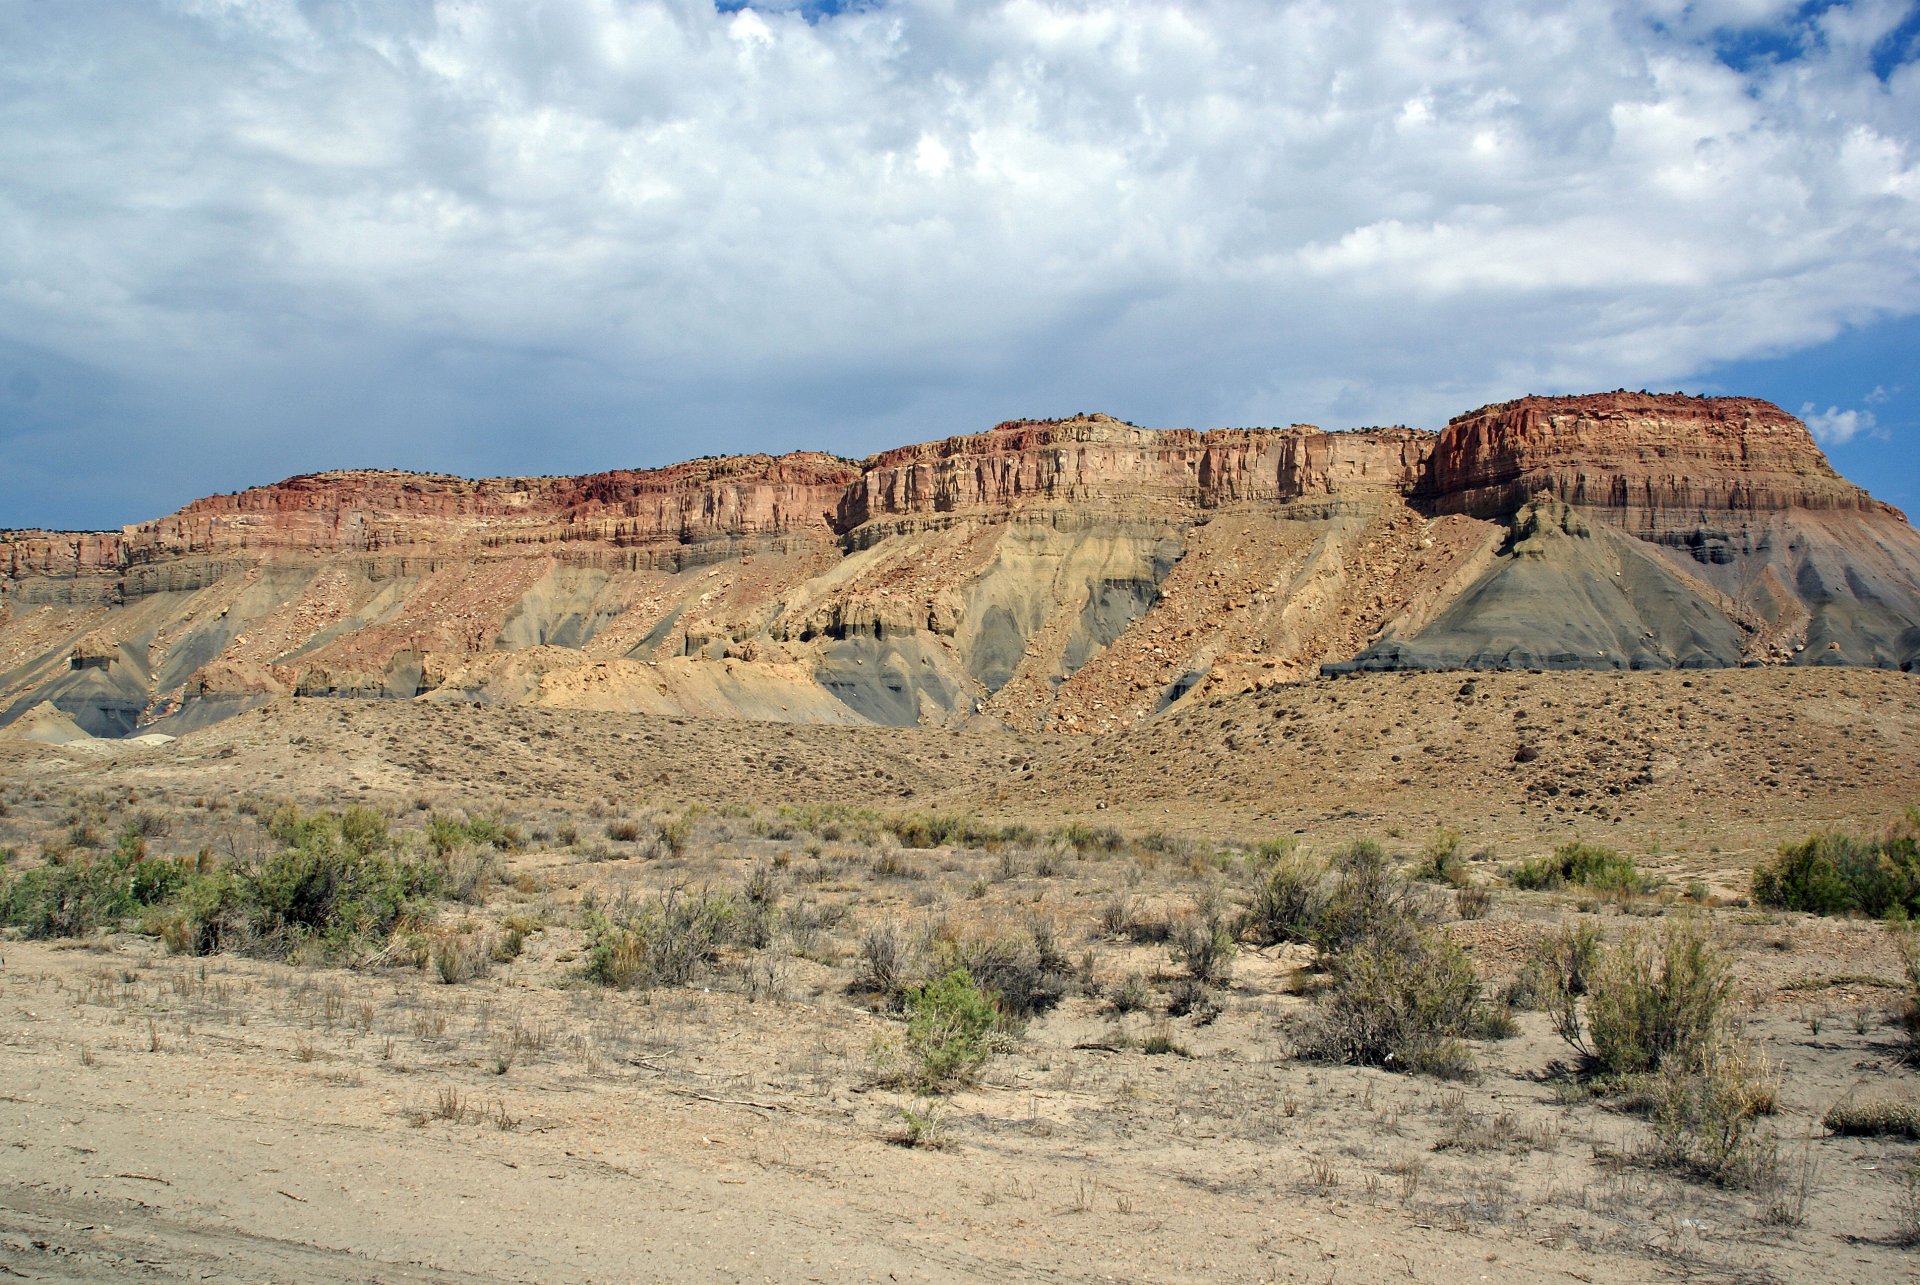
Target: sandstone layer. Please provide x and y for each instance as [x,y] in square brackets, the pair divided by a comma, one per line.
[1079,574]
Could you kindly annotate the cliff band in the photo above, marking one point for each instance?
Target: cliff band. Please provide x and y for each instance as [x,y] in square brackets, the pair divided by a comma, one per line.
[1073,574]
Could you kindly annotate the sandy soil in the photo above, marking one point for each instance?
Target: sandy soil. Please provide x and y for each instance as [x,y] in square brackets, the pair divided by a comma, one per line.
[169,1118]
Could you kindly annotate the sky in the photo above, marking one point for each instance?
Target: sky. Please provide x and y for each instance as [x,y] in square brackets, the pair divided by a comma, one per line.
[244,239]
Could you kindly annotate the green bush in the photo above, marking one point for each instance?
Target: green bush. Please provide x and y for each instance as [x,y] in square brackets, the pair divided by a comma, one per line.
[325,893]
[1405,1000]
[1289,894]
[1367,899]
[1584,865]
[449,834]
[336,884]
[950,1023]
[1203,945]
[670,941]
[72,895]
[1443,860]
[1838,874]
[1657,1009]
[1085,838]
[1655,998]
[923,830]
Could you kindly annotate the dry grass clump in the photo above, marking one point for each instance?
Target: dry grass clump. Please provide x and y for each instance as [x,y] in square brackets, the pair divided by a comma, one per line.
[1874,1118]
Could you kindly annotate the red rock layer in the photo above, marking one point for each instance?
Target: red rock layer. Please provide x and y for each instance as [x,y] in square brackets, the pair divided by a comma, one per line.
[1098,462]
[1657,462]
[363,511]
[1653,464]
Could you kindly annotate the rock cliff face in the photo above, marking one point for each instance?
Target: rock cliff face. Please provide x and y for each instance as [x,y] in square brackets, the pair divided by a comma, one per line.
[1652,464]
[367,511]
[1081,573]
[1100,463]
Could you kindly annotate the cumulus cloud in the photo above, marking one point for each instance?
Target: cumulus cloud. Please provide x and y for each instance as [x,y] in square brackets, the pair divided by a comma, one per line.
[1833,426]
[244,237]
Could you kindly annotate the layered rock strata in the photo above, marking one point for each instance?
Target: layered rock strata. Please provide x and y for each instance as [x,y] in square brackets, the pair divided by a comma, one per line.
[1081,573]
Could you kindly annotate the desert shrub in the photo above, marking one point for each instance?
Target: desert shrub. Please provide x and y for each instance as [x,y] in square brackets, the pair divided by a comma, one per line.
[616,954]
[1906,1204]
[833,822]
[75,894]
[1906,940]
[1131,995]
[324,893]
[1116,915]
[684,933]
[1655,997]
[1706,1103]
[1191,997]
[1471,901]
[1202,944]
[1366,899]
[1555,976]
[1582,865]
[1161,1043]
[887,963]
[460,957]
[288,826]
[1026,973]
[450,834]
[674,834]
[1289,894]
[364,831]
[925,830]
[1658,1029]
[1874,1118]
[760,907]
[1837,874]
[1402,999]
[924,1125]
[1443,860]
[623,830]
[209,914]
[1085,838]
[670,940]
[950,1024]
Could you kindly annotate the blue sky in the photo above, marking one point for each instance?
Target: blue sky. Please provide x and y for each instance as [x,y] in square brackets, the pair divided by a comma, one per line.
[241,239]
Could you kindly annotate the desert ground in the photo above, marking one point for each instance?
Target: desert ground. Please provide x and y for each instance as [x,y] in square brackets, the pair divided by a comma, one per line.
[484,1092]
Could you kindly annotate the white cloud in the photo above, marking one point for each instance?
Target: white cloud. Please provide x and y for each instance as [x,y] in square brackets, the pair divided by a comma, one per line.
[1833,426]
[429,226]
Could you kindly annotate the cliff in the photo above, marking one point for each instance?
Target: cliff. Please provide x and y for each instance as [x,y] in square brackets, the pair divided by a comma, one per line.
[1652,463]
[1097,462]
[1082,573]
[370,511]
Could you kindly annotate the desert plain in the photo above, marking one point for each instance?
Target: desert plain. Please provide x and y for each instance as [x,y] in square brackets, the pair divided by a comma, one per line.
[468,1101]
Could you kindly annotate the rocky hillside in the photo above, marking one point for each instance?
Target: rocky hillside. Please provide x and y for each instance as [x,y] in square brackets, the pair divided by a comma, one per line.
[1080,574]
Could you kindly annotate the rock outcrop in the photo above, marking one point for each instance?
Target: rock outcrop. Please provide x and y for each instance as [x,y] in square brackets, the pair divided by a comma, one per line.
[1652,464]
[1099,464]
[1081,573]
